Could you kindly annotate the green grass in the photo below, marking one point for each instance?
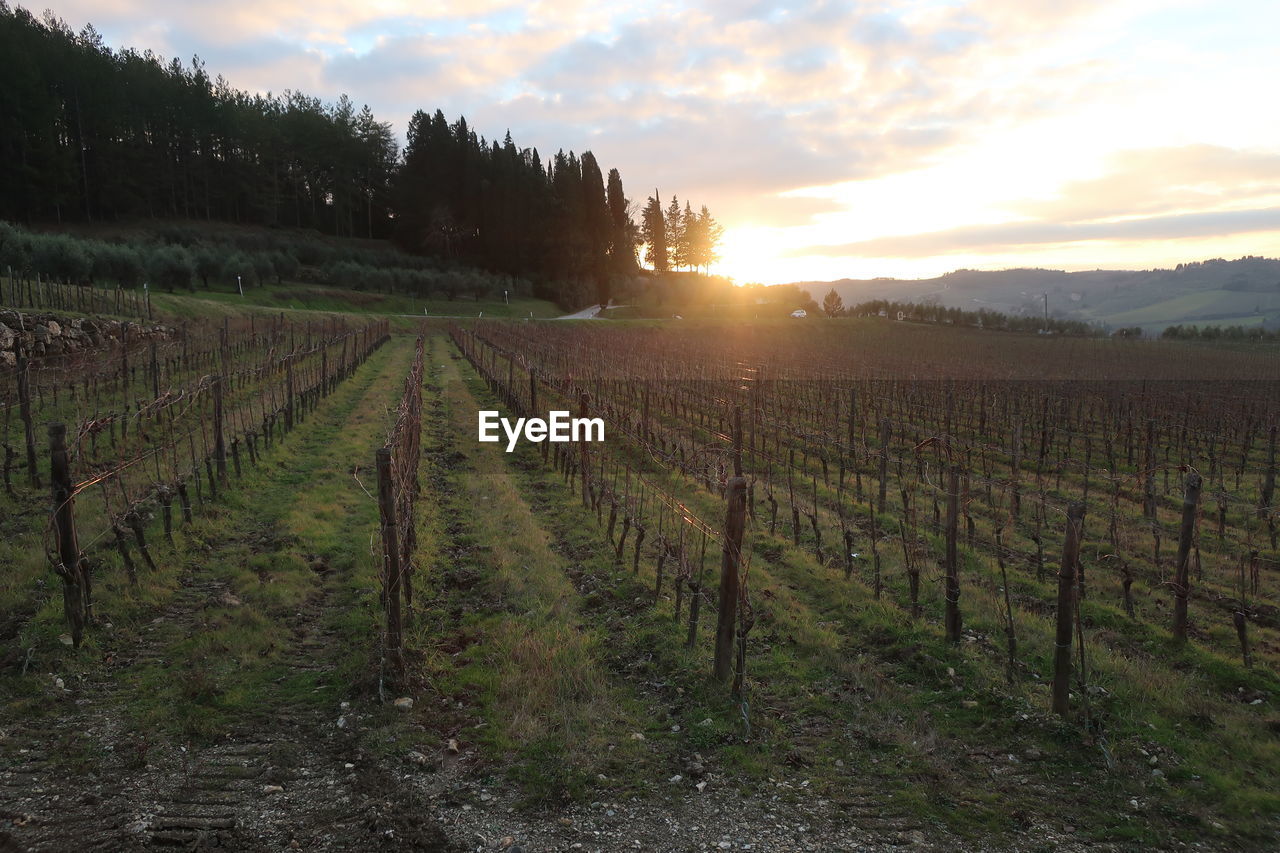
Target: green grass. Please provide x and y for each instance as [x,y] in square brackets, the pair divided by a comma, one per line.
[316,297]
[510,642]
[836,675]
[544,659]
[284,539]
[222,613]
[1217,307]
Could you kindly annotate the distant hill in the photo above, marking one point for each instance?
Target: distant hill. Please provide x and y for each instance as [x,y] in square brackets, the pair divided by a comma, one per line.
[1243,292]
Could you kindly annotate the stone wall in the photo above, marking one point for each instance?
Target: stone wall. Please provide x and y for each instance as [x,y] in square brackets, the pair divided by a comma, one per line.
[42,334]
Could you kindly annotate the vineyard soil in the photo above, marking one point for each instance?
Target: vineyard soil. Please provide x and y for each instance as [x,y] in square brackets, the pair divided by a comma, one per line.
[237,695]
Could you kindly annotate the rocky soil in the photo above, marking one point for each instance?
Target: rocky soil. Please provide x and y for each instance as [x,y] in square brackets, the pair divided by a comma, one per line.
[42,334]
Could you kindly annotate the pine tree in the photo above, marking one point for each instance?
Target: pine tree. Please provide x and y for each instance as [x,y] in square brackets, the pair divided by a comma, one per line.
[675,232]
[653,231]
[622,234]
[832,304]
[709,233]
[686,249]
[596,224]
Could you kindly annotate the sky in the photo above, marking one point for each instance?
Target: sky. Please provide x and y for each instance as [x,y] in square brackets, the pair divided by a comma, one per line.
[900,138]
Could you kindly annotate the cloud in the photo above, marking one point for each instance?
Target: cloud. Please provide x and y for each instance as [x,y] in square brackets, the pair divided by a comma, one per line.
[736,103]
[996,238]
[1023,16]
[311,23]
[815,93]
[780,211]
[1146,181]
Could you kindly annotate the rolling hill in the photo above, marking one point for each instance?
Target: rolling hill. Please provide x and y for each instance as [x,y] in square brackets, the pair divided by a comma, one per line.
[1243,292]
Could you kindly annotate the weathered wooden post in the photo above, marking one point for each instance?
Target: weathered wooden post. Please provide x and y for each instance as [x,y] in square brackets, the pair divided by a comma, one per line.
[730,562]
[1149,502]
[640,535]
[1015,473]
[165,494]
[24,412]
[885,432]
[124,360]
[509,392]
[737,441]
[875,554]
[134,522]
[695,594]
[155,371]
[585,458]
[1242,633]
[952,568]
[390,561]
[184,500]
[70,566]
[9,455]
[224,344]
[324,370]
[288,383]
[1182,577]
[1269,479]
[1011,637]
[1066,610]
[219,440]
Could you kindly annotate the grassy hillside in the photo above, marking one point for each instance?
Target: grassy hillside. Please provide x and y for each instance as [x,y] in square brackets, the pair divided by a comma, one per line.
[1242,292]
[318,297]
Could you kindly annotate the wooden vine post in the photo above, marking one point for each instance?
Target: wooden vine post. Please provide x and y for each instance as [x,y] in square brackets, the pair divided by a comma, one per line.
[953,622]
[155,370]
[737,441]
[1182,578]
[24,412]
[1267,494]
[219,440]
[288,405]
[70,566]
[1149,502]
[1066,610]
[885,432]
[584,457]
[390,562]
[730,564]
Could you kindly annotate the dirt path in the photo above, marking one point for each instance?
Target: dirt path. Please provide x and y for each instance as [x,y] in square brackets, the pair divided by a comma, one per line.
[589,313]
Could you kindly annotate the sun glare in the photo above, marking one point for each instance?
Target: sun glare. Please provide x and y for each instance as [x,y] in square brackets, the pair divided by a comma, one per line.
[750,253]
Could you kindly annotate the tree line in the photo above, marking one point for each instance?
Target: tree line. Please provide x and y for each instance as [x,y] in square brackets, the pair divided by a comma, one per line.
[1182,332]
[983,318]
[679,239]
[89,133]
[495,205]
